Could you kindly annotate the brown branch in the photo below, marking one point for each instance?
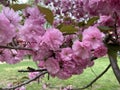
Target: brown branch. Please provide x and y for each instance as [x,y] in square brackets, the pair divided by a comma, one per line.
[115,16]
[90,84]
[35,70]
[24,83]
[115,67]
[17,48]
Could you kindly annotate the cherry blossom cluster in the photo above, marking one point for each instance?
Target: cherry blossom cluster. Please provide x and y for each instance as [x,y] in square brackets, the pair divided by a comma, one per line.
[66,8]
[62,55]
[77,10]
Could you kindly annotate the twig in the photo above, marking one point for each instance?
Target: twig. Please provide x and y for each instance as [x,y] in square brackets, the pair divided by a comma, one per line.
[90,84]
[24,83]
[19,48]
[93,71]
[115,24]
[35,70]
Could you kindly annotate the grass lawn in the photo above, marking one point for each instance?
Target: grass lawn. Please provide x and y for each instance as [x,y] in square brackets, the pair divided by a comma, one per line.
[8,74]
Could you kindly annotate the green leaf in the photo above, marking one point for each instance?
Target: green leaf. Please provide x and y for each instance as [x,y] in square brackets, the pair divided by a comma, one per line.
[81,24]
[48,14]
[92,20]
[19,6]
[68,29]
[104,29]
[60,26]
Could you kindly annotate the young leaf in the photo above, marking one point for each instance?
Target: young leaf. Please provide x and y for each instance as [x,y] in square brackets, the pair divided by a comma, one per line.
[60,26]
[48,14]
[19,6]
[92,20]
[81,24]
[104,29]
[68,29]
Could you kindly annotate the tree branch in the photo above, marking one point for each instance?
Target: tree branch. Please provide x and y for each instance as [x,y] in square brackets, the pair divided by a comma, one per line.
[115,16]
[24,83]
[19,48]
[90,84]
[115,67]
[35,70]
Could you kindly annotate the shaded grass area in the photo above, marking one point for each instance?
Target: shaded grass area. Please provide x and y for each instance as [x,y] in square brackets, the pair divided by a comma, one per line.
[8,73]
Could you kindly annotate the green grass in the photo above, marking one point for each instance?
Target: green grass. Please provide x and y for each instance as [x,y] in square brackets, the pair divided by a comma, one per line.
[8,73]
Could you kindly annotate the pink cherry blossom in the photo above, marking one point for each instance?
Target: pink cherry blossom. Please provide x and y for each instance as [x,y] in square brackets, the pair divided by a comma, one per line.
[95,7]
[93,36]
[42,53]
[29,30]
[66,54]
[41,64]
[33,75]
[53,38]
[63,74]
[52,66]
[33,28]
[12,16]
[69,66]
[34,16]
[114,5]
[82,63]
[106,21]
[7,31]
[100,51]
[32,35]
[12,56]
[68,39]
[81,49]
[78,70]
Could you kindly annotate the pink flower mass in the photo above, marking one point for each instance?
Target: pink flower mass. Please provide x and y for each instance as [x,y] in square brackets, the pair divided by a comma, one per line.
[7,31]
[53,38]
[66,54]
[52,66]
[93,36]
[12,16]
[100,51]
[63,40]
[81,49]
